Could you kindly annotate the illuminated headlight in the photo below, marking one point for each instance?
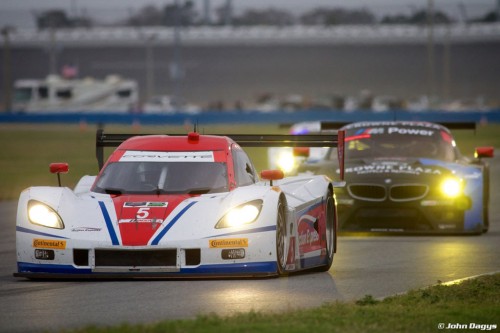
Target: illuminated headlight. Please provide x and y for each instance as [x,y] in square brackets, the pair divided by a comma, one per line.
[241,215]
[286,161]
[451,187]
[41,214]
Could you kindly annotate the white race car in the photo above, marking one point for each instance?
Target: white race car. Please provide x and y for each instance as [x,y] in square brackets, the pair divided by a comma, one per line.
[179,206]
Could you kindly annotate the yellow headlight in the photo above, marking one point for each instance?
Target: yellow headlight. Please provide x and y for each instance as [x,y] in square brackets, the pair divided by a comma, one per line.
[451,188]
[41,214]
[286,161]
[241,215]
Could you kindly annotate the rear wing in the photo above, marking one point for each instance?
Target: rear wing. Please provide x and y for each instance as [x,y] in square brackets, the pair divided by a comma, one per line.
[244,140]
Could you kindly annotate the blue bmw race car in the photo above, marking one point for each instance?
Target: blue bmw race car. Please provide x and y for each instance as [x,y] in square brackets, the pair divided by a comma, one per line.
[404,176]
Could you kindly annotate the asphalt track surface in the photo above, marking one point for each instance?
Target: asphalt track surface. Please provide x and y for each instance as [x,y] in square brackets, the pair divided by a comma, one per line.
[378,266]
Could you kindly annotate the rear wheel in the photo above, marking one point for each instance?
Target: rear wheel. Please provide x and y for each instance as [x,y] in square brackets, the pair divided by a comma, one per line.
[486,199]
[281,238]
[486,218]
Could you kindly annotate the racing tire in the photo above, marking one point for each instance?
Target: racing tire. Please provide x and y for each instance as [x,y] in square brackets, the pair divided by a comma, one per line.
[486,222]
[331,232]
[486,198]
[281,238]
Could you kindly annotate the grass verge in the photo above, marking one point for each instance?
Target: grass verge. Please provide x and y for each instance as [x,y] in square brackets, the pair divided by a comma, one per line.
[28,149]
[473,304]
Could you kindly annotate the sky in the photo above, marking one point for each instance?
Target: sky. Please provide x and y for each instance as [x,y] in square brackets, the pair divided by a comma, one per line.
[19,13]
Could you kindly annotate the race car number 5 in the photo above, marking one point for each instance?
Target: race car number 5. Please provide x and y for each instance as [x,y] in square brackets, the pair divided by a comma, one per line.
[142,213]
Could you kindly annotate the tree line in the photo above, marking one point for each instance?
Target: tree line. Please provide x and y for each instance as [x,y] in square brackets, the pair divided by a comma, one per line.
[186,15]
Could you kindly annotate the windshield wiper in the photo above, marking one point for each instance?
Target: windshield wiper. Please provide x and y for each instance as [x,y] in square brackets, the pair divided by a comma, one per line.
[201,190]
[111,190]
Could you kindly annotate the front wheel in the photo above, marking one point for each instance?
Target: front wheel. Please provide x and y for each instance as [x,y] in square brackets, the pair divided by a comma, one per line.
[330,232]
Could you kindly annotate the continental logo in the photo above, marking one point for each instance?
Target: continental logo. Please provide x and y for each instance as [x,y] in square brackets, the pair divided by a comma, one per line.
[228,242]
[49,243]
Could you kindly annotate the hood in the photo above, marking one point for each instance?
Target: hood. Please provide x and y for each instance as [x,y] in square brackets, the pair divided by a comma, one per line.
[140,216]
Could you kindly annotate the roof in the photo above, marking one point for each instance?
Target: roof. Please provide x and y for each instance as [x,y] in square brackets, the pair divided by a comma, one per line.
[422,124]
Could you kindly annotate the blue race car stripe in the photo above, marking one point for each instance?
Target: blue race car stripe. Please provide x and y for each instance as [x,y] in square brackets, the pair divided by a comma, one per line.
[109,224]
[48,268]
[265,267]
[29,231]
[171,224]
[306,209]
[247,267]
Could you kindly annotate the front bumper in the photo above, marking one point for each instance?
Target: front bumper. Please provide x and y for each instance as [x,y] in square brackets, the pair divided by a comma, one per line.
[245,255]
[235,270]
[415,217]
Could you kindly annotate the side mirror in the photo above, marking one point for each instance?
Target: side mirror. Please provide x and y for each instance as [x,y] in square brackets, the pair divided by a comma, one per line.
[59,168]
[301,151]
[272,175]
[482,152]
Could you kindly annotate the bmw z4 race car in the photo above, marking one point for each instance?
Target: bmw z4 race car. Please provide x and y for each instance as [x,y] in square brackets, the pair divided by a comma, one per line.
[404,176]
[179,206]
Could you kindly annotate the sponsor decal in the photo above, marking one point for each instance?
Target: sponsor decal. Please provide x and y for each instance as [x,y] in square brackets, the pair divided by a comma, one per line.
[434,203]
[161,156]
[409,131]
[412,124]
[230,254]
[308,237]
[42,254]
[392,169]
[49,243]
[86,229]
[145,204]
[228,242]
[154,222]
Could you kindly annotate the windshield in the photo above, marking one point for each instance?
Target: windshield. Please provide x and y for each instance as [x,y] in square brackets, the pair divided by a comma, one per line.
[399,142]
[163,178]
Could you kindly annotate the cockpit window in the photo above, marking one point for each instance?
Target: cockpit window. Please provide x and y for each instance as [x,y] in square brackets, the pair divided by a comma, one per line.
[244,172]
[147,177]
[395,142]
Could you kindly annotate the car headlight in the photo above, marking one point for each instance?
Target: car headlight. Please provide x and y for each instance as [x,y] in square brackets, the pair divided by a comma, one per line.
[241,215]
[451,187]
[41,214]
[286,161]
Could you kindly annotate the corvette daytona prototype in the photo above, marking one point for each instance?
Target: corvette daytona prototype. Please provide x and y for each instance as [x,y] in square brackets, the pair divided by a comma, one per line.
[407,176]
[179,206]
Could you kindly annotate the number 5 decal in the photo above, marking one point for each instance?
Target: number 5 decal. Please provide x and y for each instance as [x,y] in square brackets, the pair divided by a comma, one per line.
[142,213]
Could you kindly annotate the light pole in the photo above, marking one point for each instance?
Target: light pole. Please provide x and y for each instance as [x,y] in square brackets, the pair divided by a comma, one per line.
[6,68]
[52,51]
[150,65]
[447,64]
[176,72]
[430,49]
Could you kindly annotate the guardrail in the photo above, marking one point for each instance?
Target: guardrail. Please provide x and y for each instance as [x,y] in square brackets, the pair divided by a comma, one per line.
[346,34]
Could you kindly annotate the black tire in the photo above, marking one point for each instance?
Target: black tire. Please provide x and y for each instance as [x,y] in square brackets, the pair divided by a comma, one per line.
[331,240]
[486,199]
[281,237]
